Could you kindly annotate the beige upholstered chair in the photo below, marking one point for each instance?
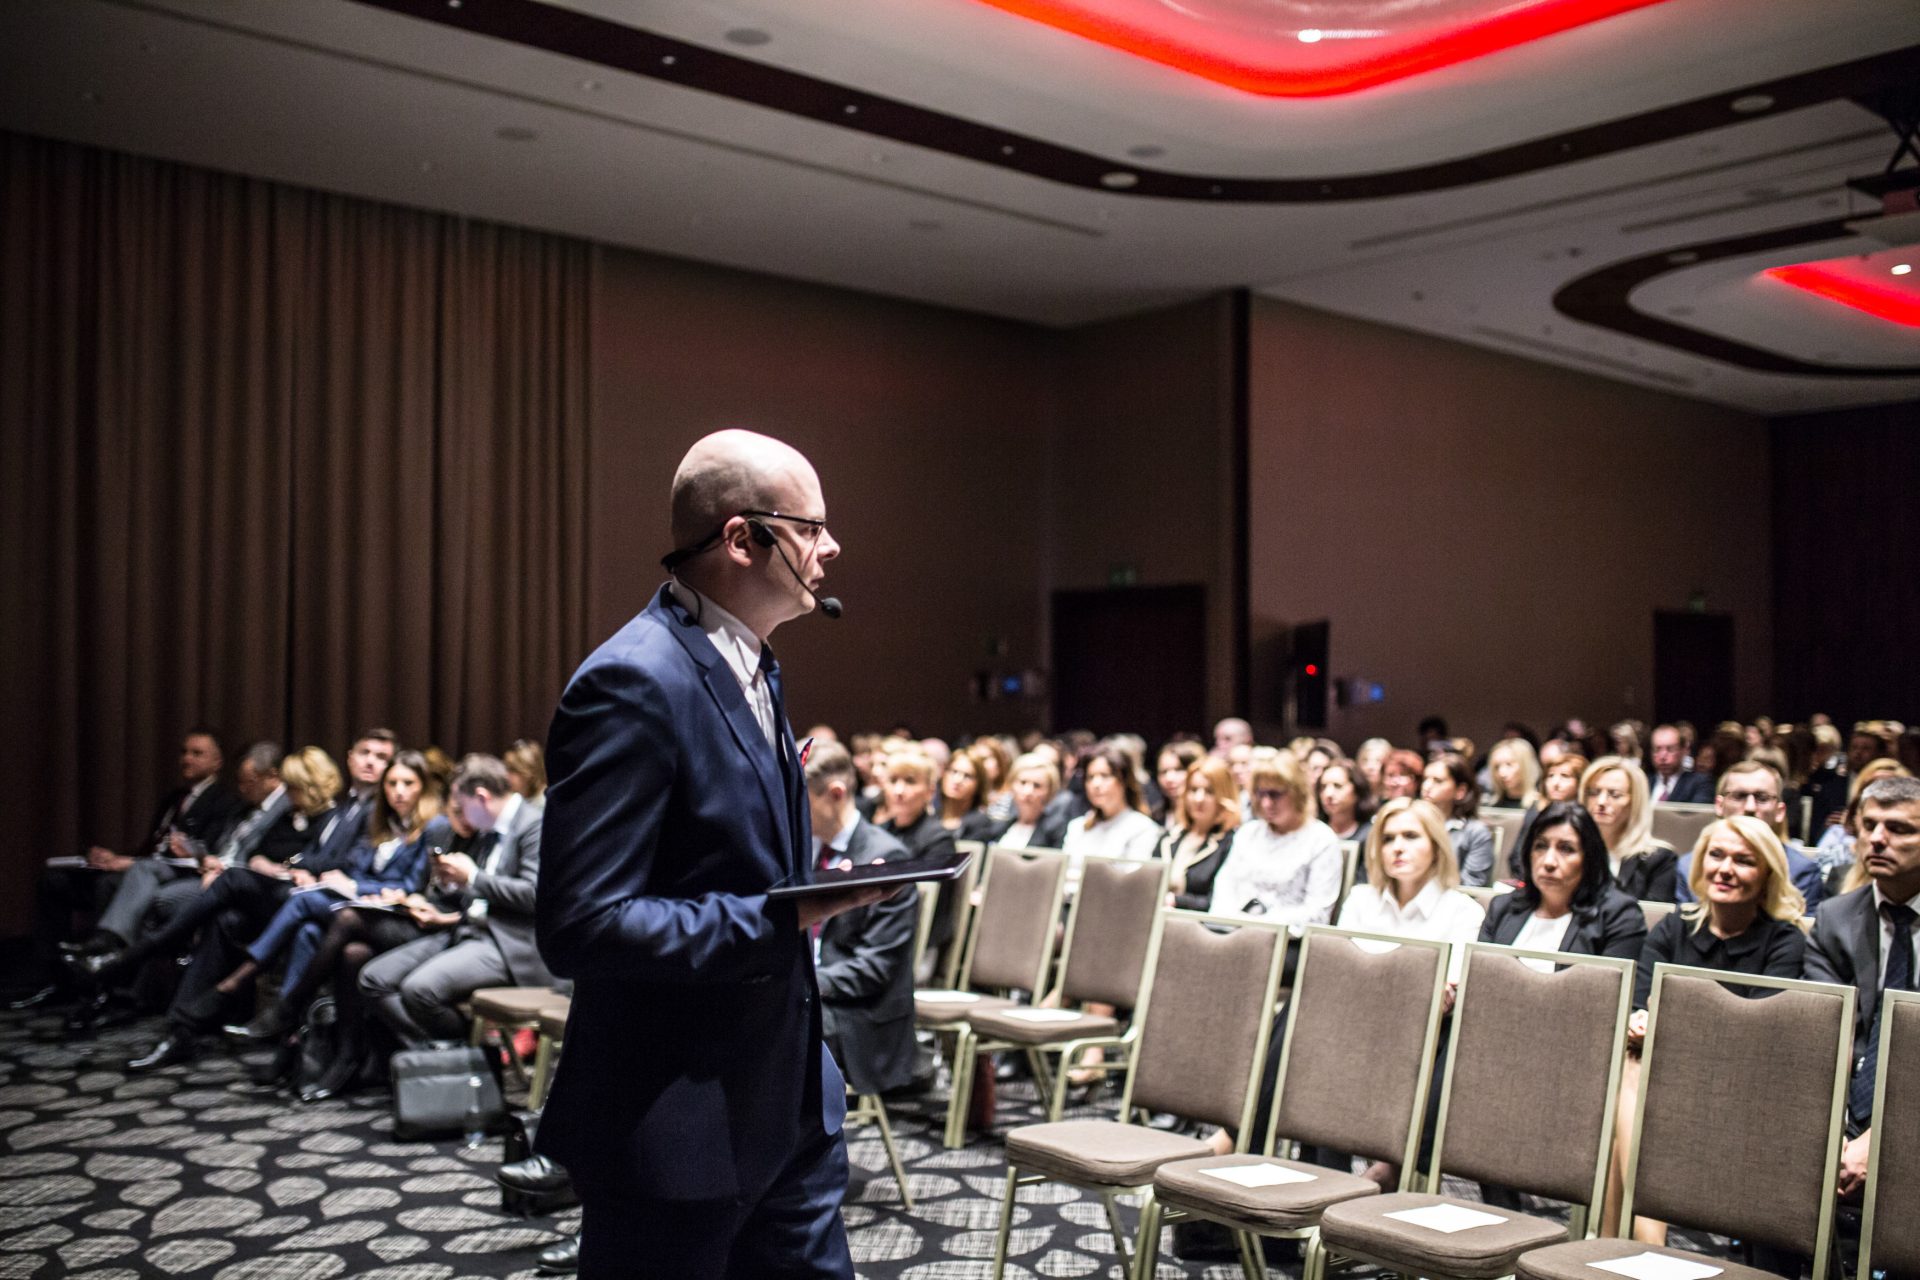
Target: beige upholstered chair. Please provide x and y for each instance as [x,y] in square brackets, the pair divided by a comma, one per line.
[1353,1075]
[509,1009]
[1485,893]
[964,887]
[1350,855]
[553,1036]
[1102,961]
[1680,825]
[1506,825]
[1742,1104]
[1655,912]
[1890,1231]
[1533,1069]
[1203,1036]
[868,1108]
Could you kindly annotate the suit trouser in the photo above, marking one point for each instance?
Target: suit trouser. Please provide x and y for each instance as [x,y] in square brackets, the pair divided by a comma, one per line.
[148,885]
[416,987]
[64,893]
[792,1232]
[221,948]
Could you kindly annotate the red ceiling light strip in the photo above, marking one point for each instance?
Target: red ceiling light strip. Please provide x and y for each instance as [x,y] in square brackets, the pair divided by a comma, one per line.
[1887,302]
[1250,64]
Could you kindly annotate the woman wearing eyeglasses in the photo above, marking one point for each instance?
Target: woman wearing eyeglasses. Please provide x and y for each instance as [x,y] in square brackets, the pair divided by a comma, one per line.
[1284,865]
[1614,790]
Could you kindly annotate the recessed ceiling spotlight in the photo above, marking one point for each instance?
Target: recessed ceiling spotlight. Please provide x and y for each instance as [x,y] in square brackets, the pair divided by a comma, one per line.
[1902,268]
[1747,104]
[668,60]
[453,4]
[852,109]
[748,36]
[515,133]
[1311,35]
[1007,150]
[1146,151]
[1119,179]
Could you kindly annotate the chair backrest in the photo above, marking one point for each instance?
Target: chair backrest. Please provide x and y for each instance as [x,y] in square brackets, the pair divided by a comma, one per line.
[1890,1230]
[1758,1087]
[964,889]
[929,892]
[1533,1070]
[1011,944]
[1485,893]
[1361,1026]
[1109,929]
[1506,824]
[1205,1018]
[1680,824]
[1349,871]
[1655,912]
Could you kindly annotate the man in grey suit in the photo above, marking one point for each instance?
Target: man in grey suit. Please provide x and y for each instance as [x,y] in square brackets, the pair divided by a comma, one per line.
[864,963]
[417,986]
[1867,938]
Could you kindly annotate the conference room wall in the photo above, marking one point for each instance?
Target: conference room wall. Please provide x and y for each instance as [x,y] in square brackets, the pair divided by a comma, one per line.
[1490,536]
[1846,543]
[930,431]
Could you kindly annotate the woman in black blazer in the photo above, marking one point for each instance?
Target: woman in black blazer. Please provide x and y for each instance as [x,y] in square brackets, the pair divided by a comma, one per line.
[1614,790]
[1202,835]
[1567,900]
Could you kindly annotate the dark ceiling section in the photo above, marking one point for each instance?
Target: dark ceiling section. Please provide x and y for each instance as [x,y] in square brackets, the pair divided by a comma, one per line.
[1601,298]
[571,34]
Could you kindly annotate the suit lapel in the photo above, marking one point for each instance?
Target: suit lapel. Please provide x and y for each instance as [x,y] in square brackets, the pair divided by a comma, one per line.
[1863,940]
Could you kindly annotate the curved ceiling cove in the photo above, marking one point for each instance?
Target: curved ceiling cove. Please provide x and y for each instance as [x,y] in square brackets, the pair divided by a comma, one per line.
[1857,284]
[1313,48]
[566,32]
[1602,298]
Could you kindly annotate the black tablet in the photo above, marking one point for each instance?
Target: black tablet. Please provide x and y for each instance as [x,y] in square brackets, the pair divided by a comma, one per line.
[945,867]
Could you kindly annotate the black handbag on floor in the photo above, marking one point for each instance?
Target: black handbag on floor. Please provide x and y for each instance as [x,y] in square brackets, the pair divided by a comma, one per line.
[437,1092]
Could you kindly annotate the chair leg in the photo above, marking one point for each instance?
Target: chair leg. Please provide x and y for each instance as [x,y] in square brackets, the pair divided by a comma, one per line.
[1252,1261]
[479,1034]
[542,1072]
[1006,1224]
[1146,1246]
[1119,1232]
[878,1114]
[960,1091]
[1042,1076]
[1315,1260]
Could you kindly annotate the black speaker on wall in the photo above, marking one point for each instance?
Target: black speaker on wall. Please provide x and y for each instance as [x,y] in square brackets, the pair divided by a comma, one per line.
[1305,681]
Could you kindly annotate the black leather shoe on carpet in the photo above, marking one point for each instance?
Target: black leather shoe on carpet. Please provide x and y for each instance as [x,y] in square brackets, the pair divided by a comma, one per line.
[171,1051]
[561,1259]
[535,1173]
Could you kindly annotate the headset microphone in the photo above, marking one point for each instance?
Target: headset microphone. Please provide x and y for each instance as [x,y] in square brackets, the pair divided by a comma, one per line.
[829,605]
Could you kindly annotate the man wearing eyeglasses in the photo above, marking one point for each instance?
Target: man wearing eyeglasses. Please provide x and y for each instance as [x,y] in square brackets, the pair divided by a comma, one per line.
[1751,787]
[696,1107]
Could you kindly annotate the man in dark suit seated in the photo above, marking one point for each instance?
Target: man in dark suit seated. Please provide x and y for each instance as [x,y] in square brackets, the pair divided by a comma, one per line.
[416,987]
[200,808]
[1867,938]
[1669,781]
[864,960]
[696,1107]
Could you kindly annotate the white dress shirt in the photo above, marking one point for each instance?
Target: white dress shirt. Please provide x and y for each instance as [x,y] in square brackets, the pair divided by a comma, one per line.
[841,839]
[1017,836]
[738,646]
[1440,915]
[1292,878]
[1886,931]
[1542,934]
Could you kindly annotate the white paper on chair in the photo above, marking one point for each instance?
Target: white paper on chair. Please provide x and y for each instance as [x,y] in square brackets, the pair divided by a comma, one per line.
[1259,1175]
[1043,1015]
[946,997]
[1657,1266]
[1447,1218]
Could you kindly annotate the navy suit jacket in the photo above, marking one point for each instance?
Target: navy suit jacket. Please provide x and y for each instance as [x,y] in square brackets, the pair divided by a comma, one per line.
[694,1064]
[1688,787]
[408,868]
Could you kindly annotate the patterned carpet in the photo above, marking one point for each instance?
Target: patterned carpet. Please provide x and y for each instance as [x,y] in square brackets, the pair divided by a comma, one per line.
[194,1172]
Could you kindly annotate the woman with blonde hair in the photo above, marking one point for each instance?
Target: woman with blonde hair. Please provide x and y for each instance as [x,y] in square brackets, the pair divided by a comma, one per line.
[1033,780]
[1514,769]
[313,783]
[1202,835]
[1745,919]
[526,762]
[1285,864]
[1614,791]
[1412,878]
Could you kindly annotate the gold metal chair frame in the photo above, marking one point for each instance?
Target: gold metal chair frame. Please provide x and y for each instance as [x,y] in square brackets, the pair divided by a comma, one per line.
[1888,1000]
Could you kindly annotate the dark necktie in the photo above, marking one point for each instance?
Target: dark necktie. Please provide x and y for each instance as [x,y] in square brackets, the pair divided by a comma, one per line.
[1899,978]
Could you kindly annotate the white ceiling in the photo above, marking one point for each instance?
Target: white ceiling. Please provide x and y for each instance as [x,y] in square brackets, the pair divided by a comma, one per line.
[351,98]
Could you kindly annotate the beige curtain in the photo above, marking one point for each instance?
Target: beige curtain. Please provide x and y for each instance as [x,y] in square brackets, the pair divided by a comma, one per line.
[283,462]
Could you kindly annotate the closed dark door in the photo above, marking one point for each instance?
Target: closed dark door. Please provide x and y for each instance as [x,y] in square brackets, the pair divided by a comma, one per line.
[1693,668]
[1131,660]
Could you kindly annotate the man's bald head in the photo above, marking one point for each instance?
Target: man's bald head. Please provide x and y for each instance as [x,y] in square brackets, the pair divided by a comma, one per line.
[729,472]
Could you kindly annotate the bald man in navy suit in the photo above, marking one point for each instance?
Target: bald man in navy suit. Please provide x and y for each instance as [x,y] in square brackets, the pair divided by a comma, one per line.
[696,1106]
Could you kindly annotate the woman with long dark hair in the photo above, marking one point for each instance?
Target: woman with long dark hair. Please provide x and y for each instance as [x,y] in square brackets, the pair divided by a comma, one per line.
[1567,899]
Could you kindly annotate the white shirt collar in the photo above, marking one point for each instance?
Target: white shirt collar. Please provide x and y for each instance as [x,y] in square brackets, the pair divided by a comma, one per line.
[1424,903]
[509,812]
[1880,898]
[733,638]
[844,838]
[279,790]
[197,789]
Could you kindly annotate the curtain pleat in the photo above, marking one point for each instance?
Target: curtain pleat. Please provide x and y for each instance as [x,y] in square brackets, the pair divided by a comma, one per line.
[288,463]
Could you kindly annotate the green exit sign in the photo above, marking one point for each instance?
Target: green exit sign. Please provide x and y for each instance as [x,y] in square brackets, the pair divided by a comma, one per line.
[1123,575]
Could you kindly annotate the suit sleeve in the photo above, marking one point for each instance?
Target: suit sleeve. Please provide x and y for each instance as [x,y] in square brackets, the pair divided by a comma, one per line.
[614,766]
[1826,955]
[884,946]
[514,893]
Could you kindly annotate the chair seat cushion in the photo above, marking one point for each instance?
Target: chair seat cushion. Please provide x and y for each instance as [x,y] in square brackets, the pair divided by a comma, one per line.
[1574,1261]
[1102,1152]
[1009,1025]
[1186,1184]
[553,1021]
[929,1010]
[514,1004]
[1485,1251]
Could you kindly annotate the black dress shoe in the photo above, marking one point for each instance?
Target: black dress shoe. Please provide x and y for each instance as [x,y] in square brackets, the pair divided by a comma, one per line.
[171,1051]
[37,1000]
[561,1259]
[101,941]
[279,1068]
[271,1023]
[91,970]
[85,1017]
[536,1174]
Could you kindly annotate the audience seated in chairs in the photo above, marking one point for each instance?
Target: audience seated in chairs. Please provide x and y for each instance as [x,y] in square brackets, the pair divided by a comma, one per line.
[1034,779]
[1867,938]
[1447,783]
[1836,850]
[911,821]
[1202,836]
[995,759]
[1513,769]
[963,798]
[1753,788]
[1345,801]
[1116,825]
[415,988]
[1567,899]
[1669,781]
[1614,791]
[1401,775]
[526,762]
[1745,919]
[1176,759]
[864,964]
[1283,866]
